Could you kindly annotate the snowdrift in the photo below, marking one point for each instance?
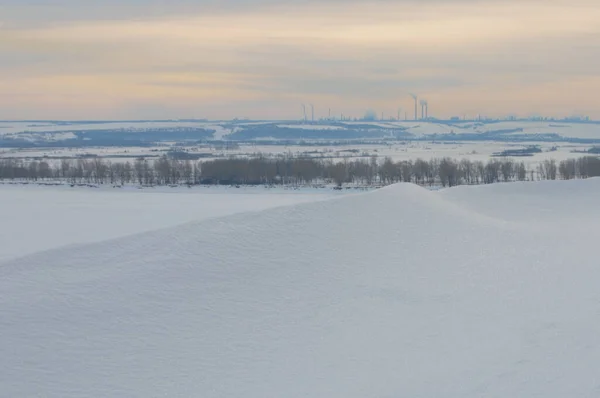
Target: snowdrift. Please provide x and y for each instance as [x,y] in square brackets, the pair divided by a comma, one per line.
[401,292]
[40,218]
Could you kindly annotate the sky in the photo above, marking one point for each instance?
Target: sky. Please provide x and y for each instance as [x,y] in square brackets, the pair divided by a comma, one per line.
[263,59]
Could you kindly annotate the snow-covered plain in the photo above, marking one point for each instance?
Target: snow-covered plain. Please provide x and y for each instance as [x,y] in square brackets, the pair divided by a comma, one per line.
[474,151]
[471,140]
[469,292]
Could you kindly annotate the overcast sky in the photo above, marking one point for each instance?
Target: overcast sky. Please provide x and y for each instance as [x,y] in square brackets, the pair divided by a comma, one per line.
[130,59]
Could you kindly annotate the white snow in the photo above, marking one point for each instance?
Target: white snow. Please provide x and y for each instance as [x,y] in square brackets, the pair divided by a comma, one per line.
[474,151]
[468,292]
[36,218]
[220,131]
[563,129]
[310,127]
[30,130]
[22,127]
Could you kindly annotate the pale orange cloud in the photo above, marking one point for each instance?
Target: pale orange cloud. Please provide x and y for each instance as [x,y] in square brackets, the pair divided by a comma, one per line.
[484,57]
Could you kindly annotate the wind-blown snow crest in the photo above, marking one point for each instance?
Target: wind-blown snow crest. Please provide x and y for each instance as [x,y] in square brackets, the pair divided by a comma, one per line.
[42,218]
[395,293]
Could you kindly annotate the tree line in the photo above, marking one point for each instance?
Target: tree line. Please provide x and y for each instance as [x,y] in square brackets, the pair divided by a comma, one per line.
[295,171]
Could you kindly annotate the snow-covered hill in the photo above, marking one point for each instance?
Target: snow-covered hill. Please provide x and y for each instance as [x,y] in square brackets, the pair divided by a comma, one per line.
[165,131]
[39,218]
[402,292]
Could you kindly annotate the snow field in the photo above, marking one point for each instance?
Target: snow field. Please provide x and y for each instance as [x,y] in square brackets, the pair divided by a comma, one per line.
[401,292]
[223,128]
[36,218]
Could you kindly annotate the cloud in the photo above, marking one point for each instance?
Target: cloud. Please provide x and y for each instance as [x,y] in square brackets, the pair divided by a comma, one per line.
[239,53]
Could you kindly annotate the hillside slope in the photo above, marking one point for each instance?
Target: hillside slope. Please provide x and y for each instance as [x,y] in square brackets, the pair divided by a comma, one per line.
[400,292]
[38,218]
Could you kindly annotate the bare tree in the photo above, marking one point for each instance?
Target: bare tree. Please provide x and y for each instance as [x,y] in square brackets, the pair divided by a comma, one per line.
[507,169]
[567,169]
[449,172]
[521,171]
[548,170]
[467,170]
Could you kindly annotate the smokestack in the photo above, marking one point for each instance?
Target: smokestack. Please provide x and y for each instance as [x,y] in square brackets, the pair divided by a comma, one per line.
[312,109]
[416,116]
[414,96]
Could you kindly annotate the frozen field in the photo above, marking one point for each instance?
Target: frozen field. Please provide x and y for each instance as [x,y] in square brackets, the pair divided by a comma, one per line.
[405,140]
[469,292]
[397,151]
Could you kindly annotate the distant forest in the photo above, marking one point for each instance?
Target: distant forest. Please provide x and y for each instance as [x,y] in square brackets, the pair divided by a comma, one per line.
[294,171]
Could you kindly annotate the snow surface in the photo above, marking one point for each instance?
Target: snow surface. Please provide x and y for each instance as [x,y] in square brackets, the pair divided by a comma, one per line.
[21,127]
[402,292]
[563,129]
[310,127]
[32,131]
[399,151]
[36,218]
